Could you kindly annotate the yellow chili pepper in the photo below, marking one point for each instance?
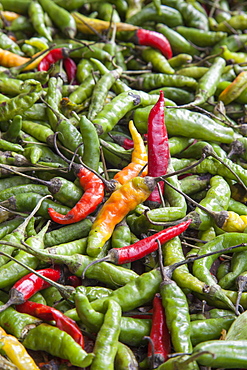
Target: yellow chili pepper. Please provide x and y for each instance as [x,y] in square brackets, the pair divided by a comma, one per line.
[237,57]
[9,16]
[16,352]
[118,205]
[232,91]
[234,223]
[138,158]
[86,25]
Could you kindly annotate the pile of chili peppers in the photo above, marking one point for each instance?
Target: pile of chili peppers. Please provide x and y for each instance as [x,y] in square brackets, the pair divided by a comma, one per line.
[123,184]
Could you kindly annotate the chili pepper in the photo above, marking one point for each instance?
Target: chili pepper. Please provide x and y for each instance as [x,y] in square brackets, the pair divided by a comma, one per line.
[16,323]
[86,24]
[141,248]
[121,237]
[209,329]
[36,15]
[150,81]
[61,17]
[225,354]
[194,183]
[29,284]
[52,57]
[20,103]
[159,335]
[157,60]
[154,39]
[84,70]
[118,205]
[70,68]
[69,136]
[199,37]
[68,233]
[100,92]
[177,315]
[93,191]
[106,344]
[179,44]
[27,201]
[234,89]
[84,90]
[47,313]
[138,158]
[132,330]
[57,343]
[208,82]
[125,358]
[13,130]
[195,72]
[168,15]
[9,59]
[16,352]
[158,148]
[119,85]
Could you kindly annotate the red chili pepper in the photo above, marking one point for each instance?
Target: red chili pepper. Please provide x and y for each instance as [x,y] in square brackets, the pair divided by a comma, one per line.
[154,39]
[160,347]
[48,313]
[30,284]
[158,146]
[93,195]
[73,280]
[142,247]
[70,68]
[52,57]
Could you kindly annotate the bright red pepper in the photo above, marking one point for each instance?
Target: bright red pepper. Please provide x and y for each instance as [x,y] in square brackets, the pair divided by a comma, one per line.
[70,68]
[142,247]
[52,57]
[48,313]
[158,147]
[30,284]
[93,195]
[159,335]
[154,39]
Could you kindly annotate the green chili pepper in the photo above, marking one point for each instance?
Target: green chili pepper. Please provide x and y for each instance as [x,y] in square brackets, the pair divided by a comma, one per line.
[84,90]
[68,233]
[237,267]
[224,354]
[106,343]
[200,37]
[125,358]
[36,15]
[187,123]
[209,329]
[178,43]
[131,330]
[17,323]
[151,81]
[176,94]
[168,15]
[58,343]
[61,17]
[32,91]
[157,59]
[113,111]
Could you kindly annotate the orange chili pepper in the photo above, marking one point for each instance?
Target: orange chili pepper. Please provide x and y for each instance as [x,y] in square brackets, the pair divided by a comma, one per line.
[9,59]
[138,158]
[118,205]
[232,91]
